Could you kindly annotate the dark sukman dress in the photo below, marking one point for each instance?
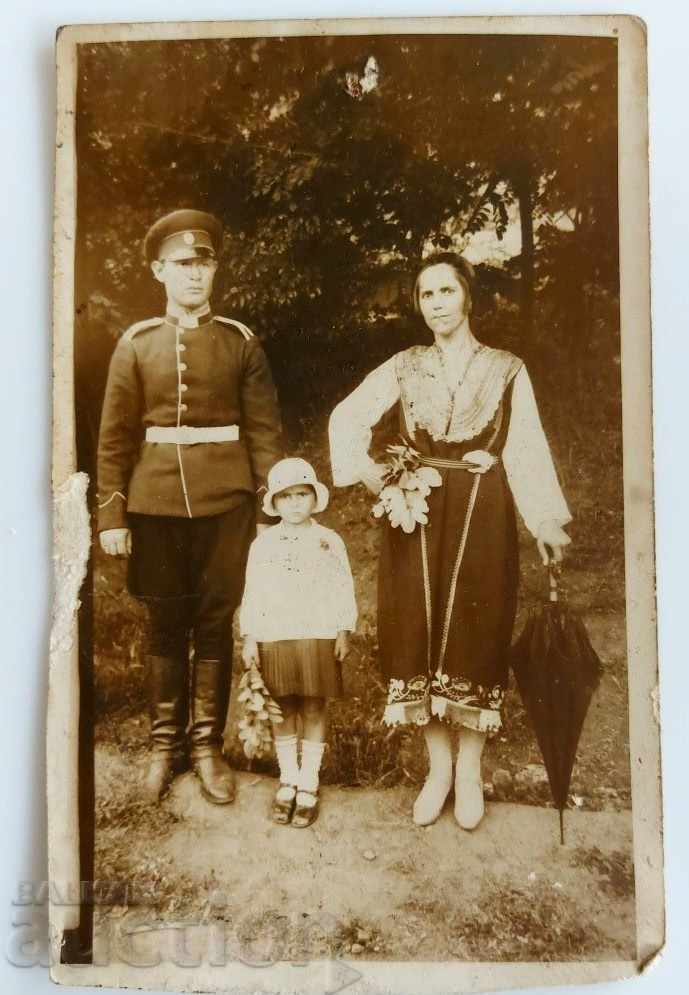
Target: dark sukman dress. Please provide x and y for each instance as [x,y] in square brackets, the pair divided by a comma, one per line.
[447,591]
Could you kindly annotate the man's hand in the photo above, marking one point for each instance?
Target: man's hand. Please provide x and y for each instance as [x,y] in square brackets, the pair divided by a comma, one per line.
[116,542]
[342,645]
[551,537]
[250,654]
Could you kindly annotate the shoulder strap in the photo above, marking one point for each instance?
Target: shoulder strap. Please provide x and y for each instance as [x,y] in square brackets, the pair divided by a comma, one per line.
[246,332]
[140,326]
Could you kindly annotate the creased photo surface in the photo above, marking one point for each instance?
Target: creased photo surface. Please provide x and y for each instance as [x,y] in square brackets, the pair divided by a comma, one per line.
[355,654]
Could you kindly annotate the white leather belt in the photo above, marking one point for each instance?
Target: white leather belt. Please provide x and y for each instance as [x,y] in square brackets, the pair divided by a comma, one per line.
[190,435]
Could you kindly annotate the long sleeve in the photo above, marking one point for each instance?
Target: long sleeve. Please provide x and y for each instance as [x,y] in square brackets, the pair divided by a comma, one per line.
[343,597]
[354,417]
[120,436]
[261,423]
[528,462]
[249,620]
[298,586]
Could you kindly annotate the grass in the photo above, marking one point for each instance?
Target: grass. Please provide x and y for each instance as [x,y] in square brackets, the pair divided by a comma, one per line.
[583,426]
[125,848]
[508,924]
[615,870]
[504,922]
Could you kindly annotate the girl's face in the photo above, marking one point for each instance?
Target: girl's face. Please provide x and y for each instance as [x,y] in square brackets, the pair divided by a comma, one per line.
[295,504]
[442,299]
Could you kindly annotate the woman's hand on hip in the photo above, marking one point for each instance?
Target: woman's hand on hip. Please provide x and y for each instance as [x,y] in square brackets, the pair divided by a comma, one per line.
[372,477]
[116,542]
[342,645]
[551,540]
[250,654]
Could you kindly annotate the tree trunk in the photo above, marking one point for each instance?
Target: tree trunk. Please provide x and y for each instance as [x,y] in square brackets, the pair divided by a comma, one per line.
[523,189]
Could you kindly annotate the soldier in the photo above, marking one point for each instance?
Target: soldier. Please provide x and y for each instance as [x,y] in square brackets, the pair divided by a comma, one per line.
[189,429]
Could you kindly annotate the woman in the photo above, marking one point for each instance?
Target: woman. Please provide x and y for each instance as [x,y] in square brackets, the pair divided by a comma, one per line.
[447,591]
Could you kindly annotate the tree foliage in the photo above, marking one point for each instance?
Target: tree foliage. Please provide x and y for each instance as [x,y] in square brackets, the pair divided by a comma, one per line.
[330,186]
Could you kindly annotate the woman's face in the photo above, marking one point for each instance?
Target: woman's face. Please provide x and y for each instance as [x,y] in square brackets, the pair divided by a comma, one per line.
[442,299]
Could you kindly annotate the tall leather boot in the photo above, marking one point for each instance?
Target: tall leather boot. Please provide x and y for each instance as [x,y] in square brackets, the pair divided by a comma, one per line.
[168,685]
[210,697]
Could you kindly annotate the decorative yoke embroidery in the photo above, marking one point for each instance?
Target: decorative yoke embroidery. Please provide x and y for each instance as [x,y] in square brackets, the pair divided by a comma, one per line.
[428,401]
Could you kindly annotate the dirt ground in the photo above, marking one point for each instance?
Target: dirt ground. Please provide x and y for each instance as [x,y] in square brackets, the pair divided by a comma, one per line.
[372,884]
[364,882]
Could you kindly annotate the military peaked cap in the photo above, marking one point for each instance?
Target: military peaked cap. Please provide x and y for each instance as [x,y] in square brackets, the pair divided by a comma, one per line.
[183,235]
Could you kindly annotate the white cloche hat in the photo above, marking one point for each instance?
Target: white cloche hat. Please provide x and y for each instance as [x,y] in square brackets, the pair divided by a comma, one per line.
[288,473]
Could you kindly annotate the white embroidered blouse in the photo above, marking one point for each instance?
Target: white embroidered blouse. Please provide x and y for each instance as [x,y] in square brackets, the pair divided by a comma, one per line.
[298,585]
[417,379]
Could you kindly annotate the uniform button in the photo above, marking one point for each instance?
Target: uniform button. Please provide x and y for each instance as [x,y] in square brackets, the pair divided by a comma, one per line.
[183,407]
[182,366]
[181,347]
[183,386]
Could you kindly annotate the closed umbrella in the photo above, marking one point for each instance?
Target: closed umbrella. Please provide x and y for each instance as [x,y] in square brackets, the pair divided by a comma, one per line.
[557,671]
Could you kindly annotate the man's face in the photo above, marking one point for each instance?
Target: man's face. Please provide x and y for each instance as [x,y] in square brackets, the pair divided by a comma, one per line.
[188,282]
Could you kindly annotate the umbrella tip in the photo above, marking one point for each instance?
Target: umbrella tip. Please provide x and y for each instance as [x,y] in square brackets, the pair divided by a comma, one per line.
[562,827]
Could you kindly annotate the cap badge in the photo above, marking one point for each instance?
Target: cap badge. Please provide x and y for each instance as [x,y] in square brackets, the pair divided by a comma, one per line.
[188,238]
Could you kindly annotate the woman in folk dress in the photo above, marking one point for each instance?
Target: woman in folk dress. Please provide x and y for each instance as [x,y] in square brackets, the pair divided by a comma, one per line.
[447,591]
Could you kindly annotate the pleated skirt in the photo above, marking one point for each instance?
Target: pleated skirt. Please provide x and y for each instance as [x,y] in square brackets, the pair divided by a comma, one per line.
[304,667]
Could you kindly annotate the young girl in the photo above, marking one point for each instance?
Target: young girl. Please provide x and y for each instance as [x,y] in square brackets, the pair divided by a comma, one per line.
[297,612]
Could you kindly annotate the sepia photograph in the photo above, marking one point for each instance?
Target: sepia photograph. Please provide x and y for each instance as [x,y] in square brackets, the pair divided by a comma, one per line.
[344,306]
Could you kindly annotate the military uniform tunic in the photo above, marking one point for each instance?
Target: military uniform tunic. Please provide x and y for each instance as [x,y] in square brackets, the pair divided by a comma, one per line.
[164,374]
[191,505]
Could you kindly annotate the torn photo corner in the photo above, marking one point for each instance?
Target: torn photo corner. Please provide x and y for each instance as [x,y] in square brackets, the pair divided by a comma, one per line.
[353,668]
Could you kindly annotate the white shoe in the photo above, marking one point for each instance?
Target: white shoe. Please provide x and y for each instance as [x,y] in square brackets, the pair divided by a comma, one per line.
[469,805]
[430,801]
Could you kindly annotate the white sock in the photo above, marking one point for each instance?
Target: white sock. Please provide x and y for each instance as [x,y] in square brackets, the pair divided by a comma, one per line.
[311,757]
[286,750]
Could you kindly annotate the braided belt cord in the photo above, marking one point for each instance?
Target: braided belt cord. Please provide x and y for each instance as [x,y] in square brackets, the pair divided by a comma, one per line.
[455,572]
[450,464]
[427,596]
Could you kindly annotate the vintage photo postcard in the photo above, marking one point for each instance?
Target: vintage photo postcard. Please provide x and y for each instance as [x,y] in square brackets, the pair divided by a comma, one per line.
[353,676]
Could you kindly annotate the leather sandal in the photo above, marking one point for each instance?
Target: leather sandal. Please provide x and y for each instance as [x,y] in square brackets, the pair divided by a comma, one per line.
[282,808]
[305,815]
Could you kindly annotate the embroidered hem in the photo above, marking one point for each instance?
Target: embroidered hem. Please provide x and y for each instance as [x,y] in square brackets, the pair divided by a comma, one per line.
[481,719]
[452,699]
[415,713]
[419,713]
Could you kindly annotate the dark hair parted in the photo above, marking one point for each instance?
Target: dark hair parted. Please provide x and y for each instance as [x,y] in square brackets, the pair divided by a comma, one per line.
[463,270]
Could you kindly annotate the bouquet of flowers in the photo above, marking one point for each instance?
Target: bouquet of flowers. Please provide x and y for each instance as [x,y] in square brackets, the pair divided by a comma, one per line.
[406,485]
[258,709]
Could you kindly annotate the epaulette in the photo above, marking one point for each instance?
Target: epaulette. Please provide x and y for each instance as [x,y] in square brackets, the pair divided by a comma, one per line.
[141,325]
[246,332]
